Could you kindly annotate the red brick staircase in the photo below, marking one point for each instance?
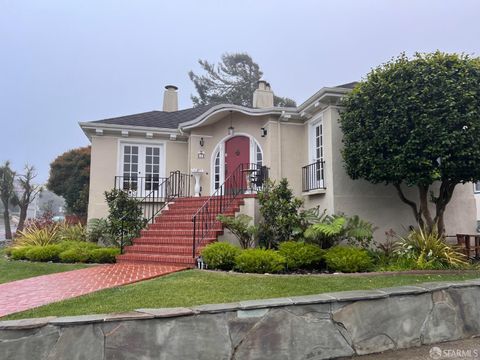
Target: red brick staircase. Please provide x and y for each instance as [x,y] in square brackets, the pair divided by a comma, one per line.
[169,240]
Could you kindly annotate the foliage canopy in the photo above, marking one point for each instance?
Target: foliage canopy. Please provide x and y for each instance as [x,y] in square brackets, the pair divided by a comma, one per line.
[70,177]
[416,122]
[232,81]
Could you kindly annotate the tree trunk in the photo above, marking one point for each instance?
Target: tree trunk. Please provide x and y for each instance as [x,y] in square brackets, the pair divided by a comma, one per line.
[422,212]
[6,220]
[23,217]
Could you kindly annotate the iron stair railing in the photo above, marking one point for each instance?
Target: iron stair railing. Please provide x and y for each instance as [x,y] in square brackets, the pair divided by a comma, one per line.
[244,177]
[177,185]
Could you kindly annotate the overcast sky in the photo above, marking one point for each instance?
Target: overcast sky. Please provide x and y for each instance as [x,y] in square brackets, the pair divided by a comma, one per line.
[62,62]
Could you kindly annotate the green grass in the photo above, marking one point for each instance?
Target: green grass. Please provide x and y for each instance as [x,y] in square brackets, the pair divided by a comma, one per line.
[194,287]
[16,270]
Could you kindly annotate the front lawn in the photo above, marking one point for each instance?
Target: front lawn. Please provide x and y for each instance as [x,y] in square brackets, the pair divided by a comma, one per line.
[11,270]
[194,287]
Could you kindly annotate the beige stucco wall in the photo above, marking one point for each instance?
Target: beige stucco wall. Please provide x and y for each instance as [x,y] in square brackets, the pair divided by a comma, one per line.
[105,166]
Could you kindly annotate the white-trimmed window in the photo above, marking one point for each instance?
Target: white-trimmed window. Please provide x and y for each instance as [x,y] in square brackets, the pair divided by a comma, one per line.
[216,171]
[476,187]
[141,168]
[314,174]
[258,156]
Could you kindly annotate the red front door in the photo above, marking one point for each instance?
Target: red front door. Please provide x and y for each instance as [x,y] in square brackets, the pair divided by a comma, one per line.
[237,151]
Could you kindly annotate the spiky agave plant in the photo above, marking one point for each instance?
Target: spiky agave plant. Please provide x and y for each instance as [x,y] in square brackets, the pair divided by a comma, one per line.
[428,249]
[35,235]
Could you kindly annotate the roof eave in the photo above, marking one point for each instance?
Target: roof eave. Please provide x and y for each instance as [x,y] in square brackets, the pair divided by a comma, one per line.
[201,119]
[93,125]
[323,92]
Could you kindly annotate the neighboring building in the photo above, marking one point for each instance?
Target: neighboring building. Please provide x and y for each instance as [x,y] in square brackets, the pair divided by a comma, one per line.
[301,144]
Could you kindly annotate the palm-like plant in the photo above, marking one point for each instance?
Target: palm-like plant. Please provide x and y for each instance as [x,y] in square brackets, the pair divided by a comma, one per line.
[429,249]
[333,229]
[34,235]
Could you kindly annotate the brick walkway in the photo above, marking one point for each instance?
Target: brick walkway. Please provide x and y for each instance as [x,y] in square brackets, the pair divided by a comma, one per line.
[29,293]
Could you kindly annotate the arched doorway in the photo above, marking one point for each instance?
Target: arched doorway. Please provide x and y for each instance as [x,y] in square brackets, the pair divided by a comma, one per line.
[229,153]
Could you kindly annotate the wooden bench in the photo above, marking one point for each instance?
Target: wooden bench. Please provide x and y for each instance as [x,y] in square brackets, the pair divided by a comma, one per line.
[469,245]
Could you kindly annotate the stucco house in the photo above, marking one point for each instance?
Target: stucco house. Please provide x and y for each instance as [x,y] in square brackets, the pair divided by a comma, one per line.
[139,152]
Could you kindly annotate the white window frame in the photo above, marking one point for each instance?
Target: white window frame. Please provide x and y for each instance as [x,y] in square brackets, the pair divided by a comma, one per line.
[312,147]
[141,143]
[476,187]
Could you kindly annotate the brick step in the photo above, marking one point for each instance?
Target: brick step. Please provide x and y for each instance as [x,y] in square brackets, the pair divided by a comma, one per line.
[190,212]
[197,205]
[159,249]
[163,259]
[178,241]
[175,232]
[162,224]
[182,226]
[183,217]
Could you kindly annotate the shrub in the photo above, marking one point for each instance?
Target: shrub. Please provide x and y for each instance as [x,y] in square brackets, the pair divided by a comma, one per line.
[259,261]
[41,222]
[330,230]
[348,259]
[98,231]
[280,211]
[241,228]
[76,232]
[103,255]
[74,255]
[125,216]
[429,249]
[20,252]
[43,253]
[37,236]
[220,255]
[299,255]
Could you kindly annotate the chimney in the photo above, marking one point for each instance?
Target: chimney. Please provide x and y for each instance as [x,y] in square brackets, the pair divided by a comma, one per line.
[263,95]
[170,98]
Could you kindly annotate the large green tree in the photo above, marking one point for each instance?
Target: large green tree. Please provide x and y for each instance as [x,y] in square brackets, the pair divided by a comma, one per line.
[232,81]
[70,177]
[415,122]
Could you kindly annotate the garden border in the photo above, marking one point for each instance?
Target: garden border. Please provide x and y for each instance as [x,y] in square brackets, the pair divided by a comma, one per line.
[310,327]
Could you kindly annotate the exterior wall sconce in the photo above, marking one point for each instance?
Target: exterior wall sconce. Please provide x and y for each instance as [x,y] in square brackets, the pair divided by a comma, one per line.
[264,132]
[202,142]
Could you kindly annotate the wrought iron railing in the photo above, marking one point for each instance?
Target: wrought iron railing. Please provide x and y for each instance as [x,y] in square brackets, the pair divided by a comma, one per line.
[141,186]
[246,178]
[177,185]
[313,176]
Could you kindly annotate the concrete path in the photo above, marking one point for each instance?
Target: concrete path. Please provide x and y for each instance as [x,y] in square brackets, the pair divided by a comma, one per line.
[29,293]
[463,349]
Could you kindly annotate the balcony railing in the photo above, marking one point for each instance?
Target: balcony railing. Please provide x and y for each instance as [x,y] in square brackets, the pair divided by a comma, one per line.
[313,176]
[142,186]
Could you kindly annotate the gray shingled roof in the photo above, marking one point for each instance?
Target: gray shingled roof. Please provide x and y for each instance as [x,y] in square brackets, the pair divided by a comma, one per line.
[158,119]
[349,85]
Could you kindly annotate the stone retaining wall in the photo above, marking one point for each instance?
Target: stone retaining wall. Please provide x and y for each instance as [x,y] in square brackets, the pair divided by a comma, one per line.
[305,327]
